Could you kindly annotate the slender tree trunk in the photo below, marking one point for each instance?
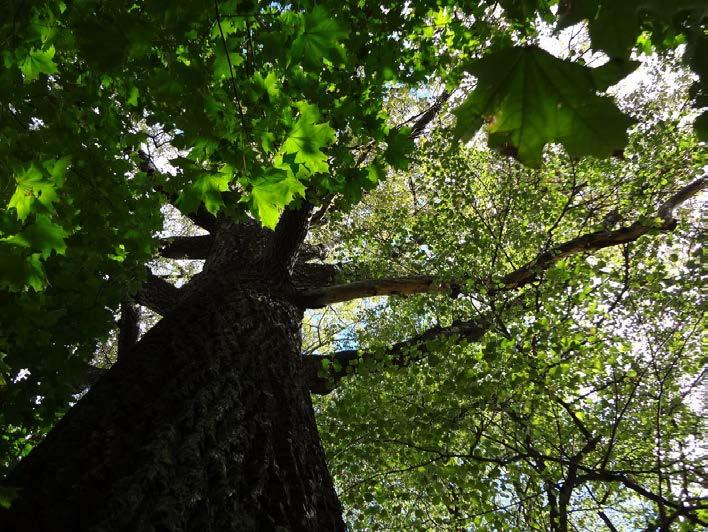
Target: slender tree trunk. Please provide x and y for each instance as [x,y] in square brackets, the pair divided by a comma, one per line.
[205,425]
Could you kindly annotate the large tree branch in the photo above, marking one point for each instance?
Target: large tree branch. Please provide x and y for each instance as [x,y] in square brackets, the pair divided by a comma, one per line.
[128,327]
[186,247]
[312,274]
[323,377]
[158,295]
[282,251]
[521,276]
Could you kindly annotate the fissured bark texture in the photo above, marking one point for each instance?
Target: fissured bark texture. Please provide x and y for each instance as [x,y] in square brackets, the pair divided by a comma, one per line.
[205,425]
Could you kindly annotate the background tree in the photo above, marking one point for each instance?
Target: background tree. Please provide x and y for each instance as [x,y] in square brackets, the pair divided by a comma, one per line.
[232,112]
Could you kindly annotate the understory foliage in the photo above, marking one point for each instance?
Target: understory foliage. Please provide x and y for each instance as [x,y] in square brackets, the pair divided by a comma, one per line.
[542,369]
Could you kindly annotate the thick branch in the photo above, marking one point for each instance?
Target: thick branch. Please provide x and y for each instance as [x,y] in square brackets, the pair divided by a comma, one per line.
[186,247]
[311,274]
[427,116]
[158,295]
[396,286]
[283,249]
[128,327]
[322,381]
[522,276]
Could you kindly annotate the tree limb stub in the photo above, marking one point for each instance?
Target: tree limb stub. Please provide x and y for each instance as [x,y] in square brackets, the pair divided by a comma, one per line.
[520,277]
[186,247]
[158,295]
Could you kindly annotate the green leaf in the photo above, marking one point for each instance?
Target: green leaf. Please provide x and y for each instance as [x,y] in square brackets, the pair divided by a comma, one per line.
[272,193]
[268,85]
[615,26]
[399,146]
[306,139]
[529,98]
[7,495]
[33,187]
[57,169]
[206,189]
[18,270]
[221,62]
[319,39]
[43,235]
[133,97]
[38,62]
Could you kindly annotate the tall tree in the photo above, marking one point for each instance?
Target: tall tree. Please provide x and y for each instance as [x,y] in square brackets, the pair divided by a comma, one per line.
[260,120]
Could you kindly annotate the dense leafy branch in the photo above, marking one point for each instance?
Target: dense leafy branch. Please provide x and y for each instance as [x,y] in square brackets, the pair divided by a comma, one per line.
[518,278]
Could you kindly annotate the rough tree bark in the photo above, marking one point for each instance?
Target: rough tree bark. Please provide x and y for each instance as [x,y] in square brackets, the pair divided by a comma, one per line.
[206,425]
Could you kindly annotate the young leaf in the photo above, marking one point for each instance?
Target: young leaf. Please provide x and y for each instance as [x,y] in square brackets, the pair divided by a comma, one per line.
[221,62]
[33,187]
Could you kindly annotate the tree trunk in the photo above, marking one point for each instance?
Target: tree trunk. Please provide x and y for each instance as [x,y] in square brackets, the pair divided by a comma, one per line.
[204,425]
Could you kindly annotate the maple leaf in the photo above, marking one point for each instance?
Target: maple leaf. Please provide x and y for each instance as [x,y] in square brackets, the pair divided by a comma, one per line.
[529,98]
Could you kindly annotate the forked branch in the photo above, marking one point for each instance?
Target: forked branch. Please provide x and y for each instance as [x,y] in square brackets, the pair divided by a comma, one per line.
[518,278]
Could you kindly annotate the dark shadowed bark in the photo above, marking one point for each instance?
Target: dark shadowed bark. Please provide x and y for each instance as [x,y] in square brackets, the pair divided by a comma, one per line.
[207,425]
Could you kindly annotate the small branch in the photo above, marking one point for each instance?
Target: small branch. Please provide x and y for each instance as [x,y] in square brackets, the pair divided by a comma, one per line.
[186,247]
[322,381]
[158,295]
[607,521]
[320,213]
[629,483]
[420,122]
[427,116]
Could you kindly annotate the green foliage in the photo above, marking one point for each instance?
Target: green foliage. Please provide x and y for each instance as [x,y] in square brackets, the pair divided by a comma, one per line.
[320,38]
[472,435]
[38,62]
[206,189]
[249,108]
[306,140]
